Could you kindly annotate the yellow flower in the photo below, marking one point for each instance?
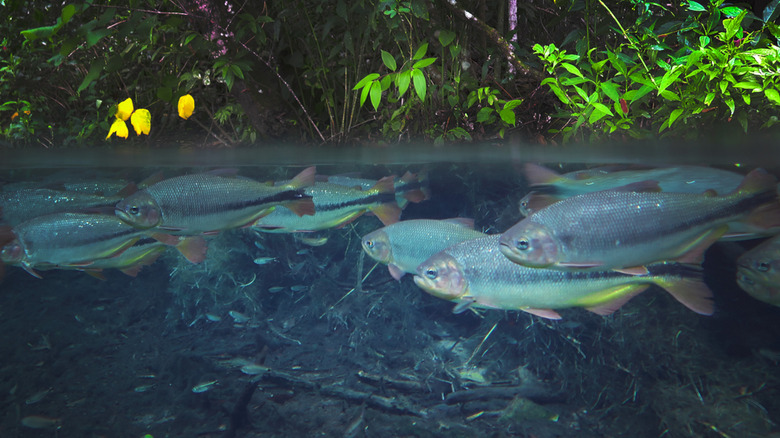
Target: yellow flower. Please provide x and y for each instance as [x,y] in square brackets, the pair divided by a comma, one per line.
[142,121]
[124,109]
[119,127]
[186,106]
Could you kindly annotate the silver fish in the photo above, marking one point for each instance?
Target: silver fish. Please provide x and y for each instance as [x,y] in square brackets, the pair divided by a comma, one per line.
[625,229]
[404,245]
[207,203]
[475,273]
[758,271]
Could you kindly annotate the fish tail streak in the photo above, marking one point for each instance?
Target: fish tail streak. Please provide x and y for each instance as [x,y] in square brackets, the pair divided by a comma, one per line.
[306,178]
[690,290]
[757,181]
[540,175]
[422,192]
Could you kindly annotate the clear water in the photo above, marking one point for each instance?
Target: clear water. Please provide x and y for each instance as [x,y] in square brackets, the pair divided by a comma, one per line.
[348,351]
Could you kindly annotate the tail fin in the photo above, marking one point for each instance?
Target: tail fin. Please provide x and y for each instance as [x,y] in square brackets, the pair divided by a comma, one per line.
[540,175]
[415,187]
[689,288]
[757,181]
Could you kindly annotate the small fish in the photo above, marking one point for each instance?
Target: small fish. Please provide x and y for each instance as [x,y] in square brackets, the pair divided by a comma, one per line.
[299,288]
[550,187]
[41,422]
[213,318]
[38,396]
[758,271]
[474,273]
[144,388]
[275,289]
[238,317]
[206,203]
[404,245]
[264,260]
[253,369]
[142,253]
[335,206]
[627,229]
[205,386]
[311,241]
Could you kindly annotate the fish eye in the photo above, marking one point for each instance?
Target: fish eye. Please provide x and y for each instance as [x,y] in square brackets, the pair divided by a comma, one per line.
[522,244]
[431,273]
[369,243]
[134,210]
[762,266]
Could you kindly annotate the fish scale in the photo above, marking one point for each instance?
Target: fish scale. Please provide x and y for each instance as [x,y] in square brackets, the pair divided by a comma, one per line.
[476,273]
[625,228]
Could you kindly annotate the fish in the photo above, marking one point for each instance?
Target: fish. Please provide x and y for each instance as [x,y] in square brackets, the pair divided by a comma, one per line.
[411,187]
[406,244]
[335,206]
[67,240]
[142,253]
[264,260]
[79,240]
[41,422]
[207,203]
[549,187]
[205,386]
[627,229]
[24,204]
[475,273]
[758,271]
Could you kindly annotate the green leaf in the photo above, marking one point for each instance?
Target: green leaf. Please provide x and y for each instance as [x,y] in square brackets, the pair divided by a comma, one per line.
[94,36]
[731,11]
[572,69]
[748,85]
[420,87]
[389,61]
[369,78]
[709,98]
[595,116]
[446,37]
[634,95]
[730,103]
[403,80]
[732,25]
[669,78]
[364,93]
[424,63]
[617,63]
[512,104]
[603,108]
[610,90]
[769,11]
[376,94]
[484,114]
[674,116]
[420,51]
[668,95]
[94,72]
[695,6]
[39,32]
[67,13]
[508,116]
[772,95]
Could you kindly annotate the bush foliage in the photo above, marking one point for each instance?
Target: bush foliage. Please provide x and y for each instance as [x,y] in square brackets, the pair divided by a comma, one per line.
[340,71]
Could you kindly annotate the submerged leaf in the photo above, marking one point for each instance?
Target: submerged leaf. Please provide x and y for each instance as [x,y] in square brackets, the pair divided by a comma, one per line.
[142,121]
[186,106]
